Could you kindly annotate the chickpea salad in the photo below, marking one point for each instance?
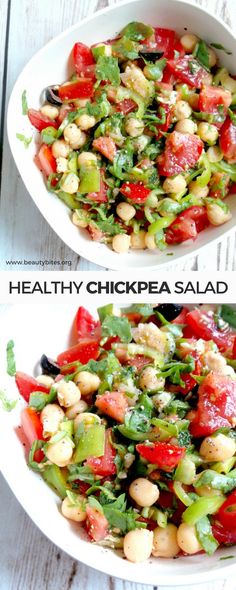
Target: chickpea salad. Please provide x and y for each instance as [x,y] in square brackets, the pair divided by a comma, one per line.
[134,428]
[140,142]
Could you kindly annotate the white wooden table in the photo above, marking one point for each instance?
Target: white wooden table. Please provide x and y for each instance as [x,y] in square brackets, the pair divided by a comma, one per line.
[30,24]
[28,561]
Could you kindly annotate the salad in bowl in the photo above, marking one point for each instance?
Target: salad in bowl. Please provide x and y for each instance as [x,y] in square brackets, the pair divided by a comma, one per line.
[140,141]
[134,428]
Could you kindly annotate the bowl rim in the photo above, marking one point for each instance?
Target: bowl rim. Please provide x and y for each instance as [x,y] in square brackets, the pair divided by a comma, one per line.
[105,565]
[117,262]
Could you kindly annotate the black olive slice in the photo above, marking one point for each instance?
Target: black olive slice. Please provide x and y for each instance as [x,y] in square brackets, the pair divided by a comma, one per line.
[151,55]
[48,366]
[51,95]
[170,311]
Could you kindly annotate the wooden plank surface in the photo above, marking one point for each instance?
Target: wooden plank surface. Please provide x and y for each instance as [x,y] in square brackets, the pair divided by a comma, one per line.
[40,20]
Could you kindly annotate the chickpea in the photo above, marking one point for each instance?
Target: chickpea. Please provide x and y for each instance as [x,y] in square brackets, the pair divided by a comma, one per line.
[138,240]
[150,242]
[186,126]
[214,154]
[176,184]
[212,57]
[182,110]
[87,419]
[217,448]
[79,222]
[74,511]
[85,158]
[149,380]
[125,211]
[217,215]
[229,83]
[85,122]
[189,42]
[68,393]
[50,111]
[208,133]
[165,541]
[143,492]
[121,243]
[51,416]
[78,408]
[60,452]
[74,136]
[187,539]
[138,545]
[87,382]
[60,149]
[45,380]
[193,100]
[141,142]
[134,127]
[199,191]
[62,164]
[70,183]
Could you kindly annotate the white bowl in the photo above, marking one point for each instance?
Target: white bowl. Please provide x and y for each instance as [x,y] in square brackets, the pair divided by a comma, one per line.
[44,329]
[49,66]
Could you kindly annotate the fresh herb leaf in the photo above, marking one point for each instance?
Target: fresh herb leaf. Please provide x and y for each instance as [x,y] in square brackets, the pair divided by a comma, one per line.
[227,557]
[117,326]
[202,54]
[137,31]
[205,536]
[177,406]
[49,134]
[26,140]
[109,226]
[11,364]
[83,473]
[123,162]
[7,404]
[107,68]
[228,314]
[39,400]
[24,103]
[221,47]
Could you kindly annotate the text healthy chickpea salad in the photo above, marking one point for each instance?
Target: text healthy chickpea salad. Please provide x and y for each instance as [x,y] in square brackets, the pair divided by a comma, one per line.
[140,143]
[134,427]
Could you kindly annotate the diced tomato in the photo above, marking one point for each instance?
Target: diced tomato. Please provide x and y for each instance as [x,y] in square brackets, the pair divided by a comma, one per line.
[227,512]
[136,192]
[224,537]
[126,106]
[162,127]
[106,146]
[82,57]
[228,140]
[203,326]
[110,341]
[139,361]
[219,185]
[133,317]
[95,233]
[234,349]
[96,524]
[187,225]
[212,97]
[113,403]
[85,323]
[33,430]
[163,454]
[26,385]
[46,161]
[101,196]
[83,351]
[187,69]
[181,152]
[216,406]
[165,41]
[39,121]
[82,88]
[181,319]
[104,465]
